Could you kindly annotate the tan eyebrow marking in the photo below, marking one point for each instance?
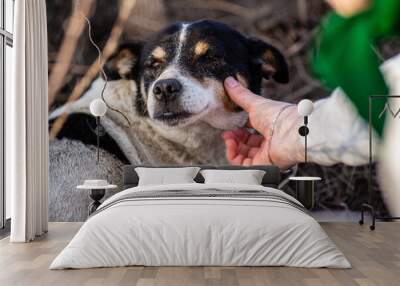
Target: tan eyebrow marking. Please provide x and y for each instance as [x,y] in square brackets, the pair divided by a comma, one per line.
[269,56]
[159,53]
[201,48]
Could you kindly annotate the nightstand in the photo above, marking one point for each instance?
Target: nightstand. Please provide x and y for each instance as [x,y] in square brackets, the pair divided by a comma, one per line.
[96,192]
[305,189]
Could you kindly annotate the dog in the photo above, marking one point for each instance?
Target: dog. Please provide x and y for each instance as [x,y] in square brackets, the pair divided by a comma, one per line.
[170,96]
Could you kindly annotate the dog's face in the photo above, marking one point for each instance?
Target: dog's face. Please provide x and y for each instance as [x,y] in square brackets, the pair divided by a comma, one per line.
[181,70]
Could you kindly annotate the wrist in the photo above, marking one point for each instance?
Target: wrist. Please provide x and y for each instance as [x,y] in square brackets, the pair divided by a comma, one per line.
[287,148]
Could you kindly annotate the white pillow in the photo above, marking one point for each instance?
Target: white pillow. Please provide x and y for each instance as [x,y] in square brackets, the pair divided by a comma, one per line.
[248,177]
[163,176]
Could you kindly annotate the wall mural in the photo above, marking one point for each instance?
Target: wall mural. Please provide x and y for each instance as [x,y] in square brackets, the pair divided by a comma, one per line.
[149,126]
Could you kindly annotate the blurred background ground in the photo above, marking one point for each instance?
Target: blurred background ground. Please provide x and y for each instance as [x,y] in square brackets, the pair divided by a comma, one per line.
[289,25]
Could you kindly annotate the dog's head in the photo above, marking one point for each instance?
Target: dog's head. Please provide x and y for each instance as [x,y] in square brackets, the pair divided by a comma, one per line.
[180,72]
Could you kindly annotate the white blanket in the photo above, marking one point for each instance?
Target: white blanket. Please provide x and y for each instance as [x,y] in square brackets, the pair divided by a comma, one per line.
[228,230]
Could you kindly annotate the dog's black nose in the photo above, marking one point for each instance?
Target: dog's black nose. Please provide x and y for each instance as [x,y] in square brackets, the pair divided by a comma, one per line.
[167,89]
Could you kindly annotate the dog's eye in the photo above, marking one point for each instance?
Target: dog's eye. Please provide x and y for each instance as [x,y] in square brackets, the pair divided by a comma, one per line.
[153,63]
[213,57]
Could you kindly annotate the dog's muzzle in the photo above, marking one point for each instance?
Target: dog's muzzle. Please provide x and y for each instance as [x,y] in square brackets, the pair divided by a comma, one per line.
[167,90]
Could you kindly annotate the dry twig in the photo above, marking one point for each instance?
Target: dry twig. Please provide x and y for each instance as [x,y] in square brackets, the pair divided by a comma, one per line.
[74,29]
[110,46]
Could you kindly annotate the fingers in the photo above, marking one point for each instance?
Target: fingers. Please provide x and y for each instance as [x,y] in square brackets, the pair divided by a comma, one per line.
[241,146]
[255,140]
[238,134]
[253,152]
[239,94]
[232,152]
[228,135]
[238,160]
[231,149]
[244,136]
[234,148]
[243,149]
[247,162]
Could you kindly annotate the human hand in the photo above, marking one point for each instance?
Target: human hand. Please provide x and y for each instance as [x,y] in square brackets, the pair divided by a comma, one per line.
[245,148]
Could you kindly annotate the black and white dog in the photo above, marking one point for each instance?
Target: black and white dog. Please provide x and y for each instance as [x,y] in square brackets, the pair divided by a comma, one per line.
[172,107]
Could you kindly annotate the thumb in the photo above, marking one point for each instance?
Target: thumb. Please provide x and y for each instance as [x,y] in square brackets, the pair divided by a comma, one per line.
[239,94]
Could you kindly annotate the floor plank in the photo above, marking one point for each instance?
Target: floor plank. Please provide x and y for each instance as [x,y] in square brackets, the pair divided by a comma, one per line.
[375,257]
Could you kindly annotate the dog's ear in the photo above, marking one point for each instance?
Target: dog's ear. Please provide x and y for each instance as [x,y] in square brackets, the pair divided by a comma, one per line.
[124,62]
[270,60]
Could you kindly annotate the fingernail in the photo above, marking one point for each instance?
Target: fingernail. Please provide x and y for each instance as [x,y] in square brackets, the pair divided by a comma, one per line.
[231,82]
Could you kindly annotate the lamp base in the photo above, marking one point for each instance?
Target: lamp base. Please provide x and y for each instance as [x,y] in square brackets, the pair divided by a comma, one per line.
[305,190]
[305,193]
[96,195]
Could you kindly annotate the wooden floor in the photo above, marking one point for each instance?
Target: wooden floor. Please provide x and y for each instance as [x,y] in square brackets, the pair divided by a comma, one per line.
[375,257]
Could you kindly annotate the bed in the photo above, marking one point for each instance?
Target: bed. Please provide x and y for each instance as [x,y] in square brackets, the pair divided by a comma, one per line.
[198,224]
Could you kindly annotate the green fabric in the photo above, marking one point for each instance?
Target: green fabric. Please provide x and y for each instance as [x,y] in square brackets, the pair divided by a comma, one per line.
[343,55]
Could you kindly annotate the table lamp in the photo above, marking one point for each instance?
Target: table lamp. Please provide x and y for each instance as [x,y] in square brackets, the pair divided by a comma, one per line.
[98,108]
[305,186]
[305,108]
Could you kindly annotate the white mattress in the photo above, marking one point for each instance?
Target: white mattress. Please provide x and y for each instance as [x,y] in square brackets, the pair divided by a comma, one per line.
[189,231]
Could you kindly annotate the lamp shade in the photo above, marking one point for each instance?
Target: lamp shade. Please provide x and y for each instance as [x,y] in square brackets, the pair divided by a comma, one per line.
[305,107]
[98,107]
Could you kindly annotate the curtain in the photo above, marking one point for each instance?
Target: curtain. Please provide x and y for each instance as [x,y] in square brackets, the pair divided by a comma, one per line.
[26,127]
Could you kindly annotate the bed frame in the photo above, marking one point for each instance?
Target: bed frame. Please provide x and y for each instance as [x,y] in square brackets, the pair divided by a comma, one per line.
[272,176]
